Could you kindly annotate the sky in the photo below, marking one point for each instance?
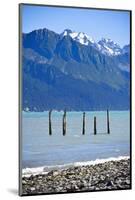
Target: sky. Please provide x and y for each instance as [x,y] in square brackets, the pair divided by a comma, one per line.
[95,23]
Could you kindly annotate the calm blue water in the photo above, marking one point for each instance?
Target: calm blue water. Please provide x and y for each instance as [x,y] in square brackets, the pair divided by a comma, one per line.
[40,149]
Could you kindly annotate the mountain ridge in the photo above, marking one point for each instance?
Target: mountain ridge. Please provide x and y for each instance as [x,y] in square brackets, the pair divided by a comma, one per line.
[49,57]
[78,36]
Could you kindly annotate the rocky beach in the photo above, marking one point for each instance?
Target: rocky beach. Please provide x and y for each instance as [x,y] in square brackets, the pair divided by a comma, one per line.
[110,175]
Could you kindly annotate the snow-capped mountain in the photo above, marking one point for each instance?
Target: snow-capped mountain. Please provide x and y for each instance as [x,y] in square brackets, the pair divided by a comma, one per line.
[105,46]
[80,37]
[70,70]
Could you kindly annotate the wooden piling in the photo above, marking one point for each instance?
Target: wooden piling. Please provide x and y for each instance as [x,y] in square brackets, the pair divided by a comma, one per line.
[108,122]
[50,123]
[64,123]
[95,128]
[83,129]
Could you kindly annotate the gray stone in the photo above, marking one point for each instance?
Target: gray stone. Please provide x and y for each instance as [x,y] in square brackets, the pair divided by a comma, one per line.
[128,182]
[32,189]
[55,173]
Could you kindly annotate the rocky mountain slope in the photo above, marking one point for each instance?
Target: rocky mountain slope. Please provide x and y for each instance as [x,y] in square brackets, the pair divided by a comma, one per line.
[70,70]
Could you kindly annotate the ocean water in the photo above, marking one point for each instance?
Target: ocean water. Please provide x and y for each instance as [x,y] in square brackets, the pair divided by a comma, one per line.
[39,150]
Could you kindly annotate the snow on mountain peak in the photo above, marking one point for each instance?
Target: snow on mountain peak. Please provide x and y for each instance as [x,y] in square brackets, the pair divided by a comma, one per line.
[79,37]
[83,38]
[105,46]
[108,47]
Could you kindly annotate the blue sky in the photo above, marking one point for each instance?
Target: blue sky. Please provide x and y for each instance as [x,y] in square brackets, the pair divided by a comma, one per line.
[95,23]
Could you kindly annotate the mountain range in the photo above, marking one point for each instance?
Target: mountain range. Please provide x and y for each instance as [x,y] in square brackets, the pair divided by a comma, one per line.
[71,71]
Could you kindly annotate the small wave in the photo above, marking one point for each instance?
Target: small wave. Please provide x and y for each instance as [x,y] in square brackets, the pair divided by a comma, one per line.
[45,169]
[99,161]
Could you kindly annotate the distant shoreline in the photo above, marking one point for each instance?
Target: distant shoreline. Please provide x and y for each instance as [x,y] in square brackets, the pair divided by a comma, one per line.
[32,111]
[104,176]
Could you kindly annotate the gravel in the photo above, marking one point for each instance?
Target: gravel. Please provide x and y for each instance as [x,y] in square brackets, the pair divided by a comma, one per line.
[106,176]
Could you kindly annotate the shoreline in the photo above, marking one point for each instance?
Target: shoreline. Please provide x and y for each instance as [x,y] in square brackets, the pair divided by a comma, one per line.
[114,174]
[26,172]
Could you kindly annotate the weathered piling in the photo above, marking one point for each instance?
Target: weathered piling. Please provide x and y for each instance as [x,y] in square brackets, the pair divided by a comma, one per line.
[64,123]
[50,123]
[108,122]
[95,126]
[83,129]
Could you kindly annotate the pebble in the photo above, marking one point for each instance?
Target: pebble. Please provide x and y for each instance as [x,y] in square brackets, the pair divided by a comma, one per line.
[106,176]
